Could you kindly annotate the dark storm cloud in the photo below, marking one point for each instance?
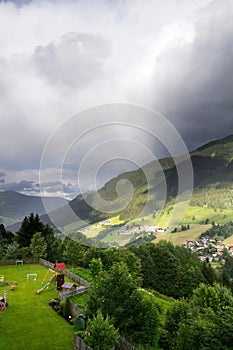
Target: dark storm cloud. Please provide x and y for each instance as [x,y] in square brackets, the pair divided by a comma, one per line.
[196,90]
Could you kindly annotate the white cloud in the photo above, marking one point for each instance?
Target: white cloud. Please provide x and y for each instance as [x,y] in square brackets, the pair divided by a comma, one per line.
[75,61]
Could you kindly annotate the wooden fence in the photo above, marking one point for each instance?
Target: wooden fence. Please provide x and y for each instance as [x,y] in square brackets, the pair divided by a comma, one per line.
[46,263]
[75,310]
[122,344]
[76,278]
[79,344]
[77,291]
[13,261]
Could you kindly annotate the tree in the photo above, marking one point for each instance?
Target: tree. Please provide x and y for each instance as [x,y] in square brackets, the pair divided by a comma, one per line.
[209,273]
[117,296]
[190,278]
[6,237]
[198,334]
[205,322]
[2,231]
[229,265]
[52,243]
[171,270]
[216,297]
[32,225]
[67,309]
[12,251]
[24,253]
[142,252]
[38,246]
[113,295]
[102,334]
[73,252]
[179,312]
[146,321]
[167,269]
[96,269]
[133,263]
[207,330]
[29,227]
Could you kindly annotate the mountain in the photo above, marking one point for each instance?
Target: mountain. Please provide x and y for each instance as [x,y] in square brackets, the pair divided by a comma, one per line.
[213,189]
[15,206]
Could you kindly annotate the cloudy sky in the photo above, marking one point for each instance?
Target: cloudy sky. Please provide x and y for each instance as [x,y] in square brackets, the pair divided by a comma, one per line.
[60,57]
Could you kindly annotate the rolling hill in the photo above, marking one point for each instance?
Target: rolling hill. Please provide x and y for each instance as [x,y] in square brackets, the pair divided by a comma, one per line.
[212,196]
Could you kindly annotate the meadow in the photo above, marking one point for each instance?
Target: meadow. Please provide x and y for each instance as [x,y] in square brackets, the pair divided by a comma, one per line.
[180,238]
[29,322]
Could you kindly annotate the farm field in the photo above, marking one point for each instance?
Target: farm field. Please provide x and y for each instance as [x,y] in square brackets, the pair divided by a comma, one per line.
[180,238]
[29,322]
[228,241]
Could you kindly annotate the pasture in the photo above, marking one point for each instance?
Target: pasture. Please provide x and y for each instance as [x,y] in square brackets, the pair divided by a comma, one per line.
[180,238]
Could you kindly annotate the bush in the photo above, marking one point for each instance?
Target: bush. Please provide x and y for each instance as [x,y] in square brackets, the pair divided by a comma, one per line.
[67,309]
[101,333]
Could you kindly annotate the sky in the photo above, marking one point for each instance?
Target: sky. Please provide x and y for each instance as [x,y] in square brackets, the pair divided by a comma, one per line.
[61,57]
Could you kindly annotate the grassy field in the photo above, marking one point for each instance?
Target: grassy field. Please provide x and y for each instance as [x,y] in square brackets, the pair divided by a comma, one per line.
[197,215]
[84,273]
[180,238]
[164,302]
[29,323]
[121,239]
[228,241]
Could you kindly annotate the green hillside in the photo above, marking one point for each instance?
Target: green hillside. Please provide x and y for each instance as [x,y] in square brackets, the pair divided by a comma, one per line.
[212,196]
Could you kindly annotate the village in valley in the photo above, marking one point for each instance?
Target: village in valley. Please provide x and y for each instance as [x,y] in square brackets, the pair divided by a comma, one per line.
[210,249]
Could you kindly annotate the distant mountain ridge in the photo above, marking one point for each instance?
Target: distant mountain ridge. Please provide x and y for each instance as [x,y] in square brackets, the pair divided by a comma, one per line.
[15,206]
[213,186]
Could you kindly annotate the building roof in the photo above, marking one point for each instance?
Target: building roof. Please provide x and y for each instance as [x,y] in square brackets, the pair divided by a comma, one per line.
[69,285]
[60,266]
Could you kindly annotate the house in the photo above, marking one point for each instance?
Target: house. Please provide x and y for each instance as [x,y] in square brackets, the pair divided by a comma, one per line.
[160,229]
[68,286]
[105,222]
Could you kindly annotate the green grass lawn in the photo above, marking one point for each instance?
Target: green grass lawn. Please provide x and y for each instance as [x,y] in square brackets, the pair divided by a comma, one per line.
[29,323]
